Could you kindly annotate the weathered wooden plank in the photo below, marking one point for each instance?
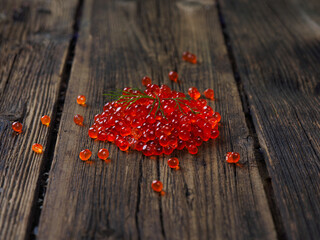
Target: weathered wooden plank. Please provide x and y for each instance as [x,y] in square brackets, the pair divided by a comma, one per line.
[20,18]
[119,42]
[276,48]
[31,60]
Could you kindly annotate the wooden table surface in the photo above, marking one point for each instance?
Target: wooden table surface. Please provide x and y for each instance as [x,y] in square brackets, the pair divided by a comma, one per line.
[261,57]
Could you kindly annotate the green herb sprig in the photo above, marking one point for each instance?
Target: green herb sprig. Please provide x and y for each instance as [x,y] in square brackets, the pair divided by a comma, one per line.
[129,98]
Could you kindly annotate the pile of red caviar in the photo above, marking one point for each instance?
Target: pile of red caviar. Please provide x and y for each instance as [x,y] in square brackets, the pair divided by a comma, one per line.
[156,121]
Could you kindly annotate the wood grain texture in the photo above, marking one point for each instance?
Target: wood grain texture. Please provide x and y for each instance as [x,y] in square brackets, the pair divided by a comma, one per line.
[276,45]
[119,43]
[22,19]
[30,65]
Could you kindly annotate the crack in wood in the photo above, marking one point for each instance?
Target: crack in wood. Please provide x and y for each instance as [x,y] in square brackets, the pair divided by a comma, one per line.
[160,203]
[138,199]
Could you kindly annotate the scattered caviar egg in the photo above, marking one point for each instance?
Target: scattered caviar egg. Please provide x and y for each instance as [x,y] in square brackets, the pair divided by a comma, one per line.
[173,163]
[81,100]
[103,154]
[209,94]
[45,120]
[194,93]
[185,56]
[85,154]
[157,186]
[173,76]
[93,133]
[232,157]
[17,127]
[146,80]
[189,57]
[78,119]
[37,148]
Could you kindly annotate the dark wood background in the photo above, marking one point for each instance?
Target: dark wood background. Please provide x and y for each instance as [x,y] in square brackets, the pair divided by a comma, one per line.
[262,58]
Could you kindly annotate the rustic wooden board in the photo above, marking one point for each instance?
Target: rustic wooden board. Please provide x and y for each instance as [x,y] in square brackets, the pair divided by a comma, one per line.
[21,19]
[119,42]
[31,58]
[276,49]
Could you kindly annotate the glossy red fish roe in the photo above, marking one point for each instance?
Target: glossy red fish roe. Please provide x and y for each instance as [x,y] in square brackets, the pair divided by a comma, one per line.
[157,186]
[173,163]
[198,141]
[158,150]
[181,144]
[213,122]
[146,80]
[139,146]
[122,143]
[217,116]
[110,136]
[93,133]
[167,150]
[173,76]
[184,135]
[155,122]
[17,127]
[102,136]
[163,141]
[192,149]
[125,131]
[37,148]
[194,93]
[232,157]
[189,57]
[209,94]
[78,119]
[85,154]
[147,150]
[81,100]
[45,120]
[214,133]
[103,154]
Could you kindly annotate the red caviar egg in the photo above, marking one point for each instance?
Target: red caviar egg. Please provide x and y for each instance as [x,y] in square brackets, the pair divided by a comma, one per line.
[93,133]
[194,93]
[173,163]
[214,133]
[103,154]
[217,116]
[157,186]
[173,76]
[232,157]
[45,120]
[102,136]
[146,80]
[37,148]
[81,100]
[209,94]
[78,119]
[17,127]
[192,149]
[189,57]
[85,154]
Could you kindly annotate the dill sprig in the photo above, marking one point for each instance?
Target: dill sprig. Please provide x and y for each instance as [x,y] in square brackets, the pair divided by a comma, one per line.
[128,98]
